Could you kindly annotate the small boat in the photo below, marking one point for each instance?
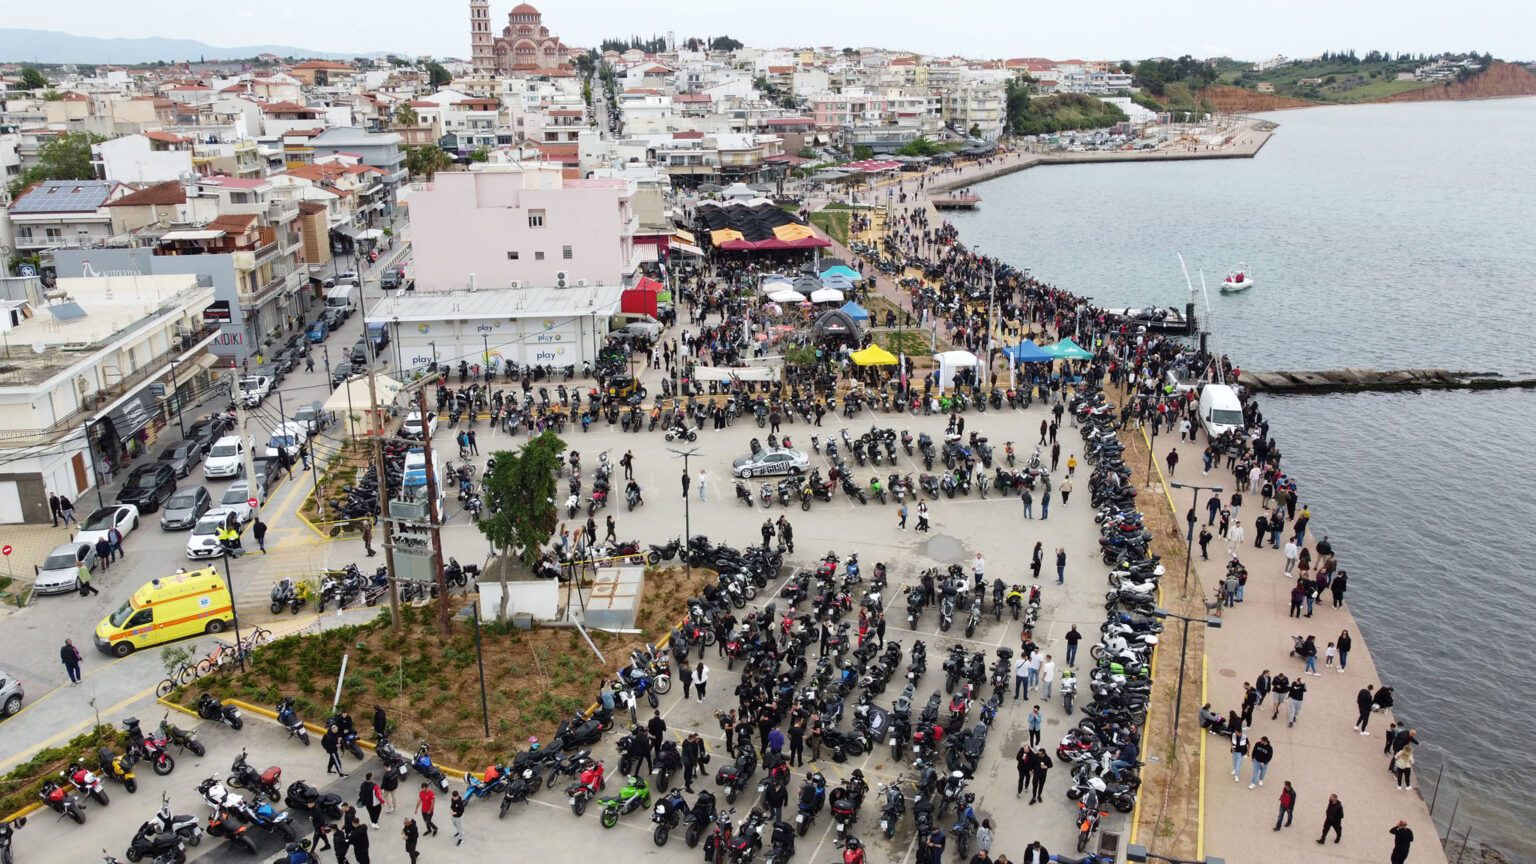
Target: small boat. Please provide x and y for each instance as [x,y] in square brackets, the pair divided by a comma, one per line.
[1237,280]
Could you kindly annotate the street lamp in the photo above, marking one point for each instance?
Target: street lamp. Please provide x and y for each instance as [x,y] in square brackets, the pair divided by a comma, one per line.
[1194,502]
[687,512]
[1138,853]
[1178,701]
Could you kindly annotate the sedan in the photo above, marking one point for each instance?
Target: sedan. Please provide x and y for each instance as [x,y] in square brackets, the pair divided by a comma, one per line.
[204,542]
[317,330]
[767,462]
[412,426]
[124,517]
[60,571]
[148,486]
[237,498]
[186,506]
[205,432]
[183,456]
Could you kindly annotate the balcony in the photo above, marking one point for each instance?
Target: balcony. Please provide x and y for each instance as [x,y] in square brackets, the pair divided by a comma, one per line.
[282,210]
[282,281]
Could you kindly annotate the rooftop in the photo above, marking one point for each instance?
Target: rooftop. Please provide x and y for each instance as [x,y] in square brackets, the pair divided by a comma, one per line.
[168,193]
[63,196]
[428,306]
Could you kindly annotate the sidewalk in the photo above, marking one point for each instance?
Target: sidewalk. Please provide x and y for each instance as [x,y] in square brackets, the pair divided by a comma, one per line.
[1322,754]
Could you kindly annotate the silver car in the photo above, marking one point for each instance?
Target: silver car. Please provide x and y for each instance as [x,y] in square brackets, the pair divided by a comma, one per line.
[767,462]
[185,507]
[59,573]
[10,697]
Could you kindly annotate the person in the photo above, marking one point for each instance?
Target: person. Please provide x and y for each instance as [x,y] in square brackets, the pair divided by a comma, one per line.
[1402,766]
[1072,638]
[1239,751]
[767,532]
[1235,536]
[628,462]
[1339,584]
[1287,806]
[612,535]
[657,728]
[1402,839]
[456,813]
[703,481]
[1298,693]
[1071,462]
[388,787]
[66,510]
[1129,753]
[357,839]
[1173,461]
[115,540]
[985,836]
[1262,753]
[901,514]
[1025,762]
[1061,565]
[686,480]
[1037,558]
[103,552]
[367,529]
[426,804]
[1291,551]
[700,680]
[1205,543]
[922,516]
[344,833]
[1021,675]
[1066,490]
[1363,703]
[1047,675]
[1038,771]
[410,834]
[692,749]
[371,798]
[1035,721]
[72,659]
[331,743]
[935,845]
[1028,499]
[1034,853]
[774,798]
[1333,817]
[259,531]
[53,507]
[322,828]
[787,534]
[1343,645]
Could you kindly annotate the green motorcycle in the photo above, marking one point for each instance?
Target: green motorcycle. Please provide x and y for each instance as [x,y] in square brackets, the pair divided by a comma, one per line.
[635,794]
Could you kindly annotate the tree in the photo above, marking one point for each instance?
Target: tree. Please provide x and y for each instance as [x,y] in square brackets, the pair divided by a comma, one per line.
[438,75]
[480,155]
[31,79]
[426,160]
[524,485]
[725,43]
[405,115]
[974,131]
[860,153]
[585,64]
[63,157]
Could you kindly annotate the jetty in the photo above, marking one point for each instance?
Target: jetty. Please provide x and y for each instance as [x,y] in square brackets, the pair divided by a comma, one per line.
[1350,380]
[955,201]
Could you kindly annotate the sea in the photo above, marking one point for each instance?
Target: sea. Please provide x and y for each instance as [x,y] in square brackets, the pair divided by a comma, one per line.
[1383,236]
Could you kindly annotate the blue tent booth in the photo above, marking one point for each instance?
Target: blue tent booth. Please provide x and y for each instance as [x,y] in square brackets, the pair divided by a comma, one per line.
[854,311]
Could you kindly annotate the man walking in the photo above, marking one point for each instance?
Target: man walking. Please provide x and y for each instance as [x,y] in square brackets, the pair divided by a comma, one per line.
[1035,720]
[628,462]
[686,481]
[1235,536]
[1291,553]
[1061,565]
[1262,753]
[1072,637]
[1333,817]
[456,813]
[1038,772]
[367,529]
[331,742]
[259,531]
[1021,676]
[66,510]
[703,481]
[410,834]
[1402,841]
[1025,760]
[1363,703]
[1028,499]
[371,799]
[1287,806]
[53,507]
[71,657]
[1298,692]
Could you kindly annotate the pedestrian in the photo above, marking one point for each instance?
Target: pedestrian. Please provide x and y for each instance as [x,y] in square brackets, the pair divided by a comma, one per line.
[1021,676]
[1344,644]
[1045,503]
[1072,638]
[1239,751]
[1281,688]
[1402,840]
[72,659]
[1402,767]
[344,833]
[880,629]
[1035,721]
[410,834]
[1037,773]
[1235,536]
[456,813]
[1337,586]
[1066,490]
[53,507]
[66,510]
[728,726]
[1205,543]
[371,798]
[322,828]
[692,749]
[657,728]
[611,536]
[1291,551]
[1071,463]
[700,680]
[1173,461]
[797,742]
[901,515]
[1298,693]
[1034,853]
[922,517]
[787,535]
[357,839]
[1262,753]
[1287,806]
[259,531]
[1047,675]
[115,540]
[367,529]
[985,836]
[935,845]
[331,743]
[1333,817]
[103,552]
[685,675]
[703,481]
[686,480]
[388,787]
[1061,565]
[1055,456]
[1036,559]
[1028,499]
[1025,763]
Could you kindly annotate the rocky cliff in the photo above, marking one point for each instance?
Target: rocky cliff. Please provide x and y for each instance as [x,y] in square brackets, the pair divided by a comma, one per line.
[1236,100]
[1498,80]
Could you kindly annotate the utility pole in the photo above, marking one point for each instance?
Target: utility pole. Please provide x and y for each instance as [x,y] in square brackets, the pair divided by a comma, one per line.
[687,511]
[437,539]
[384,520]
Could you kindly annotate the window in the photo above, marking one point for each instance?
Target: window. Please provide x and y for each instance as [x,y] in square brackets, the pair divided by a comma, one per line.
[511,256]
[565,252]
[535,218]
[538,256]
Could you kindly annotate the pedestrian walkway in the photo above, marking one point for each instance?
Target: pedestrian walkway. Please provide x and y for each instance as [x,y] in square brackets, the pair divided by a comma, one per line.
[1321,754]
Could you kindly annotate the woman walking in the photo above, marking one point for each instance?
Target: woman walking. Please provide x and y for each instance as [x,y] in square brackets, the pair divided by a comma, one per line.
[1343,645]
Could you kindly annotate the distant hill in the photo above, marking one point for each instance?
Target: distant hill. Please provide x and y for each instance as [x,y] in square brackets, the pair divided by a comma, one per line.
[52,46]
[1499,80]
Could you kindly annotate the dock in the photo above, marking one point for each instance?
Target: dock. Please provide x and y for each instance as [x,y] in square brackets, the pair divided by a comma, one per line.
[955,202]
[1351,380]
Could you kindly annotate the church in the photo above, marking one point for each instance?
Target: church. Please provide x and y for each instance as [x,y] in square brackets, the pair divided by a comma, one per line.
[525,44]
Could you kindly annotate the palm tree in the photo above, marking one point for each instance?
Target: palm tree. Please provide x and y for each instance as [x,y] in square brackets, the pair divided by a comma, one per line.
[405,115]
[427,160]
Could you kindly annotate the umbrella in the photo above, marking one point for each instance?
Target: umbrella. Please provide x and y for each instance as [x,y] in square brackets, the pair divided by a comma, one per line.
[841,283]
[785,295]
[774,283]
[826,295]
[828,263]
[807,284]
[840,270]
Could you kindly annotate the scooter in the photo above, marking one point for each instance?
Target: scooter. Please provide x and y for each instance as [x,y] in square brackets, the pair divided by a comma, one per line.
[182,825]
[155,845]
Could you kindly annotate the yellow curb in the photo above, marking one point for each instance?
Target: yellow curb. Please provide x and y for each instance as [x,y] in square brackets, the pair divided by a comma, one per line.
[311,526]
[30,808]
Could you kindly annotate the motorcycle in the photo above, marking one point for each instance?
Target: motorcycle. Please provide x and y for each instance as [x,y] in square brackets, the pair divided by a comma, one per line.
[62,802]
[86,782]
[588,784]
[157,846]
[243,776]
[290,720]
[304,797]
[667,814]
[210,708]
[151,750]
[700,815]
[635,794]
[813,793]
[895,805]
[118,768]
[6,830]
[423,765]
[486,785]
[220,825]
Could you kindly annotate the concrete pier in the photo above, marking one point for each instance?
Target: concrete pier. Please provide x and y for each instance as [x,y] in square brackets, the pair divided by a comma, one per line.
[1346,380]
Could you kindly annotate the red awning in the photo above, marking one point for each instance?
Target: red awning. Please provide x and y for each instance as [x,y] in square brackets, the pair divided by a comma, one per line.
[774,243]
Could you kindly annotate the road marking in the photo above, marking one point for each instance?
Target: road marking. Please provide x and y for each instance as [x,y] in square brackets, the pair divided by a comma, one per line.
[76,729]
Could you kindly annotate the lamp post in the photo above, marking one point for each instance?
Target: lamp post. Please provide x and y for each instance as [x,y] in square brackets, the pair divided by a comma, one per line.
[687,511]
[1178,700]
[399,368]
[1138,853]
[176,397]
[1194,501]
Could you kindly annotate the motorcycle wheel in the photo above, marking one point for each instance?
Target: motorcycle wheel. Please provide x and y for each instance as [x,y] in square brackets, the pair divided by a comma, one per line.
[506,804]
[193,839]
[944,625]
[1096,651]
[580,806]
[1125,805]
[272,794]
[653,559]
[970,630]
[610,817]
[304,736]
[164,765]
[950,492]
[132,855]
[78,815]
[855,748]
[650,697]
[353,748]
[691,836]
[750,592]
[197,747]
[693,436]
[1082,841]
[730,795]
[276,608]
[1074,793]
[663,683]
[131,785]
[659,836]
[245,843]
[805,504]
[101,797]
[738,602]
[709,637]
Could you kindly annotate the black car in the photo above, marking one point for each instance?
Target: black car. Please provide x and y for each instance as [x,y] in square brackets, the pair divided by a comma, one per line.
[334,318]
[300,343]
[359,355]
[342,371]
[205,432]
[282,360]
[183,456]
[148,486]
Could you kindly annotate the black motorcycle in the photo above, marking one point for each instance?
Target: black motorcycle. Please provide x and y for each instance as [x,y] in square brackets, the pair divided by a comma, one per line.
[210,708]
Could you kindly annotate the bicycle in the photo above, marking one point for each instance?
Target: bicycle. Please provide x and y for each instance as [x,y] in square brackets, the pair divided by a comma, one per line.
[185,673]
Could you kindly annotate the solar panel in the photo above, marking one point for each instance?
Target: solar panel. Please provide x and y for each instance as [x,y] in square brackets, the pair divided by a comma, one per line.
[60,196]
[66,311]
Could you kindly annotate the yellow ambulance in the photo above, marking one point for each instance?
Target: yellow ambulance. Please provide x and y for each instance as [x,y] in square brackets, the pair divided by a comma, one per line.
[186,603]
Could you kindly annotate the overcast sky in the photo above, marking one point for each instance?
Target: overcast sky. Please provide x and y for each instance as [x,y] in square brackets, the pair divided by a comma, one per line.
[1109,29]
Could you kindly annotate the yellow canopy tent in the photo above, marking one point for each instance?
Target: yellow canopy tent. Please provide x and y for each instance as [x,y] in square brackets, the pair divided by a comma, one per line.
[874,355]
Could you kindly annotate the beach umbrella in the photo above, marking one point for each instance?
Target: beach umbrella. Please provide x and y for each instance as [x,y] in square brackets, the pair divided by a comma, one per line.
[826,295]
[807,284]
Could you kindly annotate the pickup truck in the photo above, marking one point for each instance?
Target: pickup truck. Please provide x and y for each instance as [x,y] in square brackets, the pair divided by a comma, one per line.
[267,469]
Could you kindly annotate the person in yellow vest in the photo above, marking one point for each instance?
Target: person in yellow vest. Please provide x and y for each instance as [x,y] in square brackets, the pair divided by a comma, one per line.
[229,536]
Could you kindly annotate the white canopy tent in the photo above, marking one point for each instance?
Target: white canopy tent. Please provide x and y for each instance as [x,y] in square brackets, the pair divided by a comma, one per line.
[352,402]
[786,295]
[826,295]
[736,373]
[951,361]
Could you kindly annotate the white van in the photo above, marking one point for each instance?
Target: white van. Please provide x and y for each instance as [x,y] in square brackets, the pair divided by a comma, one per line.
[638,323]
[289,436]
[343,298]
[414,481]
[1220,411]
[227,457]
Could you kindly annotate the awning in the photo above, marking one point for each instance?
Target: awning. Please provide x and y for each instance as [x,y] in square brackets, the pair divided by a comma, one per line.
[1066,349]
[218,312]
[1027,352]
[827,295]
[685,248]
[684,236]
[855,311]
[195,234]
[345,230]
[133,414]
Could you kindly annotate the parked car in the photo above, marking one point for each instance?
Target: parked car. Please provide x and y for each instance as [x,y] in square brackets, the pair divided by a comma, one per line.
[227,458]
[765,462]
[412,426]
[11,695]
[148,486]
[298,343]
[123,517]
[254,389]
[182,456]
[359,355]
[267,469]
[314,419]
[205,432]
[204,542]
[185,508]
[342,371]
[334,318]
[317,330]
[392,278]
[344,278]
[59,572]
[285,360]
[237,498]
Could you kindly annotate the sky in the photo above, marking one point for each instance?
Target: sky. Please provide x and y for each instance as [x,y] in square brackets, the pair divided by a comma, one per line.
[1109,29]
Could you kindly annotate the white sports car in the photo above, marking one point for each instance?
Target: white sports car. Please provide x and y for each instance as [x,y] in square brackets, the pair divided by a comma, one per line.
[767,462]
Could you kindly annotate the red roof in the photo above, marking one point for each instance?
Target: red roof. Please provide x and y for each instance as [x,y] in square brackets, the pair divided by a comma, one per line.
[167,137]
[780,70]
[287,108]
[164,194]
[232,223]
[687,136]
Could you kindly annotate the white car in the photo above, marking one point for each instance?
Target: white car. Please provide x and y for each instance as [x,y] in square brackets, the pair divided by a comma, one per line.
[227,457]
[59,572]
[95,526]
[204,542]
[412,426]
[767,462]
[254,389]
[237,498]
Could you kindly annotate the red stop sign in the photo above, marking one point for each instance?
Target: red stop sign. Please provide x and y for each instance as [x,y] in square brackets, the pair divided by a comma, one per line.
[5,550]
[251,501]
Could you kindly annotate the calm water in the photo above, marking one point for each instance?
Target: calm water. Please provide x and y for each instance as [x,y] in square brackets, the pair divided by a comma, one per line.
[1385,236]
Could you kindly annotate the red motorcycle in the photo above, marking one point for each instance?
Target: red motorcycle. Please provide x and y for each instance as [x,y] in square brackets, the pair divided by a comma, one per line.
[151,748]
[220,825]
[590,782]
[827,567]
[86,781]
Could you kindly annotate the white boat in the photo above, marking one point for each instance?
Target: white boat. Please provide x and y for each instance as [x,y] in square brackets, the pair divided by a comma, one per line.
[1237,280]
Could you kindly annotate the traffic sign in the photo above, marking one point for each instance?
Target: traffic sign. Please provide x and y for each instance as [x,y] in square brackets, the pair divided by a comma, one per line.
[250,501]
[5,550]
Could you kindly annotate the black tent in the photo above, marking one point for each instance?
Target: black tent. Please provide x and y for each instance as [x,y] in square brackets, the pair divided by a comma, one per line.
[836,323]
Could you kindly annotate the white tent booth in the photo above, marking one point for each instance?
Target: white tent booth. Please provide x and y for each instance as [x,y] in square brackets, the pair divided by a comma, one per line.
[951,362]
[352,403]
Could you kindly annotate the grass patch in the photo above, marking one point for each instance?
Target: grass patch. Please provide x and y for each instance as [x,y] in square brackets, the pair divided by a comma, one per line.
[834,224]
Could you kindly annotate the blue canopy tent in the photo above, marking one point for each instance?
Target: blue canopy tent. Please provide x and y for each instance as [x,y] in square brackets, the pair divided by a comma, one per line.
[841,270]
[854,310]
[1027,352]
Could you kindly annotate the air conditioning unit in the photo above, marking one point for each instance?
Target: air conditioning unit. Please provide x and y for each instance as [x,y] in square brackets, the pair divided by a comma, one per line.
[562,279]
[581,283]
[415,511]
[515,283]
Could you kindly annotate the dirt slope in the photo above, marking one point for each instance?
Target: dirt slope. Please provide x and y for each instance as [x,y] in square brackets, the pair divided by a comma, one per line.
[1498,80]
[1236,100]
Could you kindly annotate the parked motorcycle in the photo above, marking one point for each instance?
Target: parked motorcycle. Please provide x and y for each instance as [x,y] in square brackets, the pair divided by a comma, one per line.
[243,776]
[210,708]
[62,802]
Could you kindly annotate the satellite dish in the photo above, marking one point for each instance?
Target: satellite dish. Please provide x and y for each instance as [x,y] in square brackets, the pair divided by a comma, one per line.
[38,347]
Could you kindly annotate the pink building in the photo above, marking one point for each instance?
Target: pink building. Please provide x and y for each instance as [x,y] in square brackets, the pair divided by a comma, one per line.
[523,225]
[847,109]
